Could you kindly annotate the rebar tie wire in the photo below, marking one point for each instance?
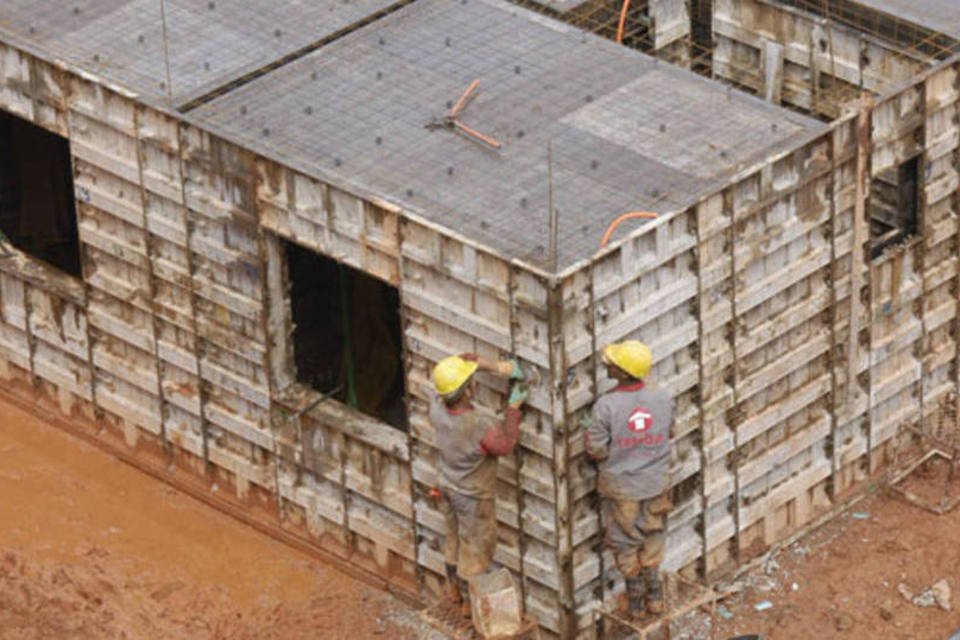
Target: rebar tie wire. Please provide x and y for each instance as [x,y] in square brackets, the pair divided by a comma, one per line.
[452,122]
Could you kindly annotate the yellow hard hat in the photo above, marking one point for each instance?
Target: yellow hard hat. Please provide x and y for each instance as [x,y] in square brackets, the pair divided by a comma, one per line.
[451,373]
[632,356]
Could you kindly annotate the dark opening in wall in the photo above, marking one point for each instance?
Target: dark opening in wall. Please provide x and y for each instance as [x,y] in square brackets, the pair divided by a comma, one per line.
[894,206]
[701,36]
[347,334]
[37,213]
[895,30]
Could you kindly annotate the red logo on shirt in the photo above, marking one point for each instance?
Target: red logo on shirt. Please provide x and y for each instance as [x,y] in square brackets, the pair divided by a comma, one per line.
[640,420]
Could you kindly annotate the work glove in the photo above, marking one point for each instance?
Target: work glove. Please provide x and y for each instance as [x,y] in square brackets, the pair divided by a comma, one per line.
[510,369]
[662,504]
[518,395]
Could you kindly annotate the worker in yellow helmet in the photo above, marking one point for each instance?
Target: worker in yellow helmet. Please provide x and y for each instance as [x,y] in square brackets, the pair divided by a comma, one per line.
[469,445]
[629,437]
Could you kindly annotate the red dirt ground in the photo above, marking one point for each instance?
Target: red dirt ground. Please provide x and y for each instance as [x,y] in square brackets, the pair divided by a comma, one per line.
[847,574]
[92,548]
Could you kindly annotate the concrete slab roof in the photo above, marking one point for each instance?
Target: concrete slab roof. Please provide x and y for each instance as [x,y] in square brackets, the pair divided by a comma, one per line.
[209,42]
[627,133]
[942,16]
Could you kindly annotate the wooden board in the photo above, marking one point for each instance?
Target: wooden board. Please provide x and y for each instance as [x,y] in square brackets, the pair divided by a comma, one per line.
[820,65]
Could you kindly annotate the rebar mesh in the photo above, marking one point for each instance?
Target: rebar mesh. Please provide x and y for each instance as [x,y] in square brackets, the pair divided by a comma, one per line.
[634,24]
[203,47]
[626,133]
[626,22]
[604,17]
[902,32]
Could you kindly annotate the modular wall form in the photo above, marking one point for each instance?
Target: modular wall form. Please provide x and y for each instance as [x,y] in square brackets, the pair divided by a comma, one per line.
[178,339]
[661,28]
[802,60]
[746,302]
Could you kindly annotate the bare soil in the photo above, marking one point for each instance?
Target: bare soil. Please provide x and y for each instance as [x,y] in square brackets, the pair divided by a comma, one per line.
[842,580]
[92,548]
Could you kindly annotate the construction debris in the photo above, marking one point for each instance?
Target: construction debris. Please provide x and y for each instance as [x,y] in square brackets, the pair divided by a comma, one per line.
[495,601]
[941,593]
[842,622]
[886,610]
[937,595]
[690,613]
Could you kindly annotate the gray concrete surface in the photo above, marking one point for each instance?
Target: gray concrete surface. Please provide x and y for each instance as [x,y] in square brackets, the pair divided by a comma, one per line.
[209,42]
[936,15]
[627,132]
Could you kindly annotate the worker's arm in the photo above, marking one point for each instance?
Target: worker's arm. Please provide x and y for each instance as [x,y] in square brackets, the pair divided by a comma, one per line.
[500,439]
[504,368]
[597,435]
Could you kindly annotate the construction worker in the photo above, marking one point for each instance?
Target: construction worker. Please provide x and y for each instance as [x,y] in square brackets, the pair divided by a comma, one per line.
[469,445]
[629,436]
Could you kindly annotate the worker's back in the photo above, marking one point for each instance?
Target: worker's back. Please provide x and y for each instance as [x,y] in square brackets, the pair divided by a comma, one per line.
[464,466]
[639,418]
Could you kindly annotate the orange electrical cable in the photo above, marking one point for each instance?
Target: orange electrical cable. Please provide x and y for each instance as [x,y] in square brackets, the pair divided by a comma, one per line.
[462,102]
[476,134]
[623,20]
[647,215]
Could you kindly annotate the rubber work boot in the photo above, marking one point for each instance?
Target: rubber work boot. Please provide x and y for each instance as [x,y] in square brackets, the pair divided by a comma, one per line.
[465,595]
[635,595]
[453,586]
[651,576]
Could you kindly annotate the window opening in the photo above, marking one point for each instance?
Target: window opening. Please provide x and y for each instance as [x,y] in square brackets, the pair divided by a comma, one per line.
[894,206]
[347,333]
[37,209]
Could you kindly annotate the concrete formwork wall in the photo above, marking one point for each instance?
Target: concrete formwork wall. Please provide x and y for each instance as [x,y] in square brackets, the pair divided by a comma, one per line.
[455,298]
[801,60]
[647,288]
[670,21]
[178,337]
[733,297]
[913,290]
[746,301]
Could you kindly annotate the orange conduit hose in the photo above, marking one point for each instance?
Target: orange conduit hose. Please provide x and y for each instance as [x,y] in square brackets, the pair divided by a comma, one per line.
[646,215]
[623,20]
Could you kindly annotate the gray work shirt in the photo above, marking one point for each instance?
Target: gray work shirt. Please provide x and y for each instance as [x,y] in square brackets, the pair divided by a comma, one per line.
[630,433]
[464,465]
